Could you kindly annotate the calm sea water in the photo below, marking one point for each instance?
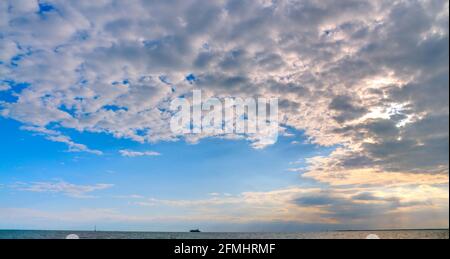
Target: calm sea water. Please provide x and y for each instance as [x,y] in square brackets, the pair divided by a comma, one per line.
[403,234]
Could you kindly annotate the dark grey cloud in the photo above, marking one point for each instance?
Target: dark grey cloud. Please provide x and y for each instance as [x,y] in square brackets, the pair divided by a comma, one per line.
[346,109]
[361,206]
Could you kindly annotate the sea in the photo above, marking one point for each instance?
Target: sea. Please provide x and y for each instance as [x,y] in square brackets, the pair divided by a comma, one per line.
[386,234]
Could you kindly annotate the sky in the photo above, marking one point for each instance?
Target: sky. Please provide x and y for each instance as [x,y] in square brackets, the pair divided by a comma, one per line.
[86,86]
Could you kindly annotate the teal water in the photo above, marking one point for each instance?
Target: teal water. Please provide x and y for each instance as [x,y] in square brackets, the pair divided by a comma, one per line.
[400,234]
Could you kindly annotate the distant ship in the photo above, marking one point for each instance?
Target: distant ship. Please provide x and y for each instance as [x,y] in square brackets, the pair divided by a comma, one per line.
[195,231]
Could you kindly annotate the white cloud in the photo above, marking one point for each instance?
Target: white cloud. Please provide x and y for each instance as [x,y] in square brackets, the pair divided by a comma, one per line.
[129,153]
[9,50]
[56,136]
[132,196]
[23,6]
[61,187]
[4,87]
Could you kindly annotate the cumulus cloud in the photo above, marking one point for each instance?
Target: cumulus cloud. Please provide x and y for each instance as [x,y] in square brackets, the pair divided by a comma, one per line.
[61,187]
[92,68]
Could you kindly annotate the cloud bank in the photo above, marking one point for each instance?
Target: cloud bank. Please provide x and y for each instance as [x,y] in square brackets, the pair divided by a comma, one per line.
[370,77]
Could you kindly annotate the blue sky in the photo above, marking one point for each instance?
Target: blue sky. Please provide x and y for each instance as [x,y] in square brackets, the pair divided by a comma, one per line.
[182,171]
[214,165]
[86,89]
